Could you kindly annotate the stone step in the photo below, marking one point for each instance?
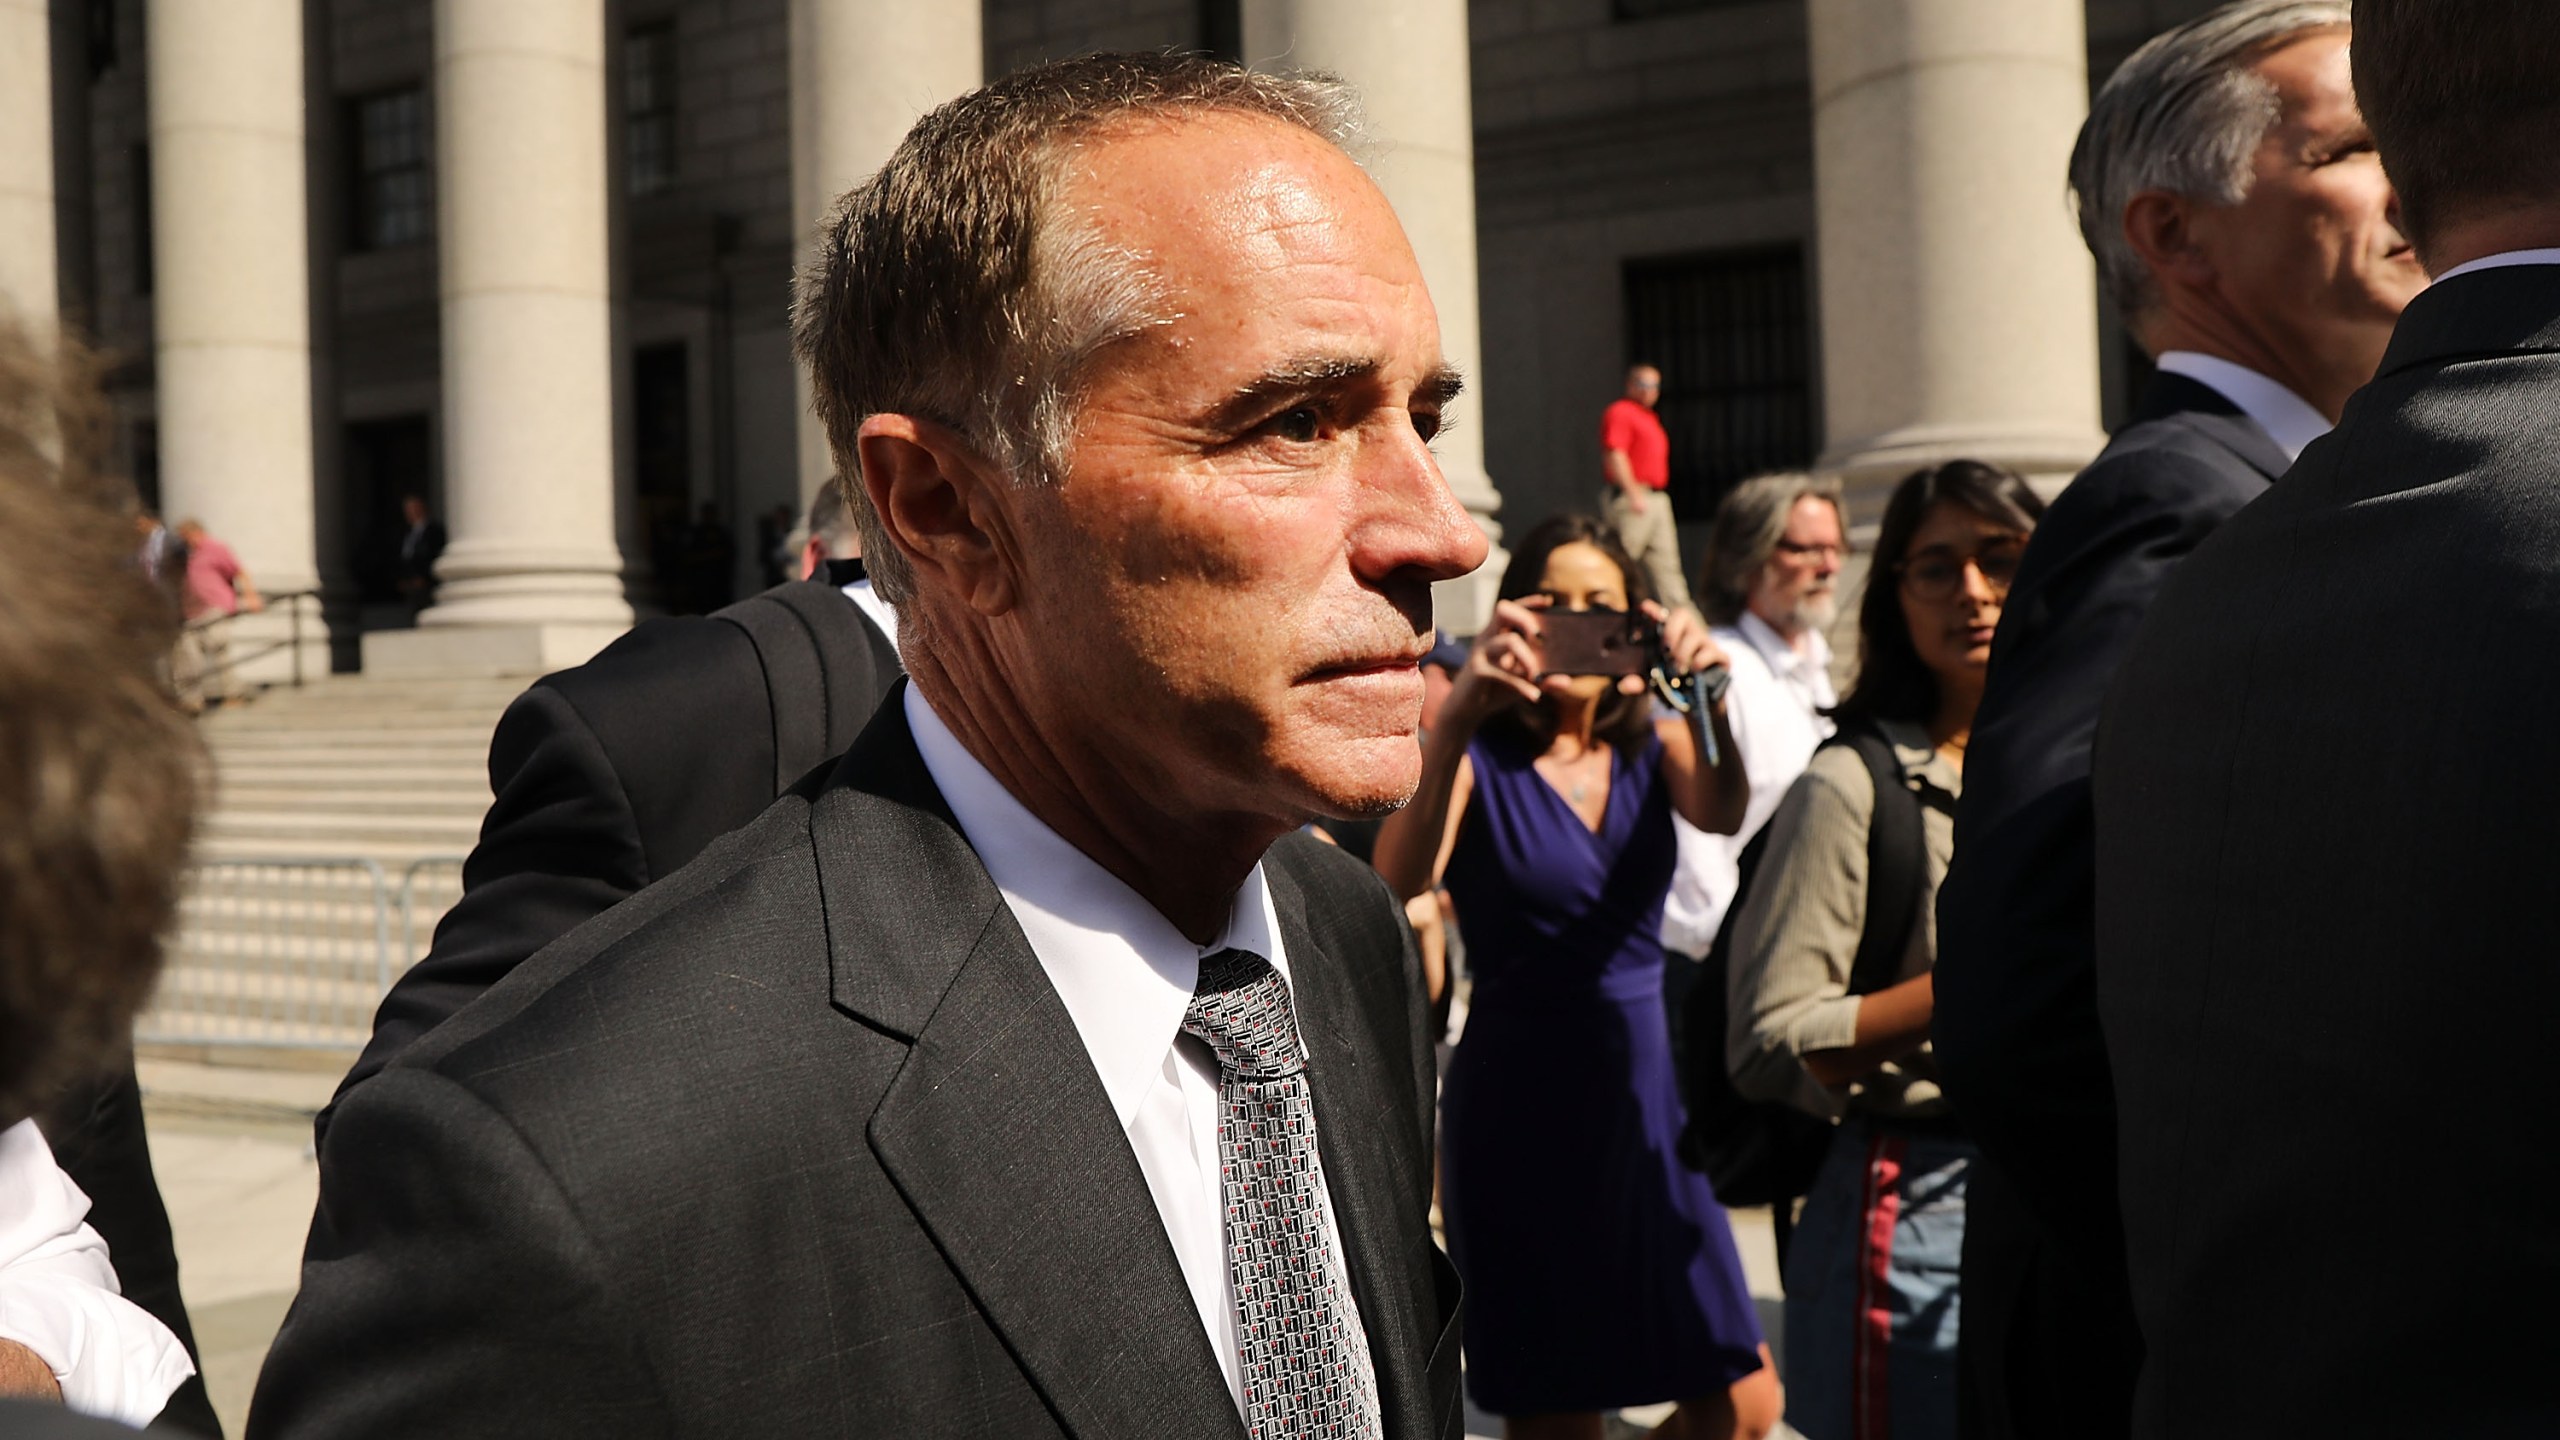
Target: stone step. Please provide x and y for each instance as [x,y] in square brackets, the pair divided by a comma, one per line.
[473,755]
[394,856]
[285,771]
[466,801]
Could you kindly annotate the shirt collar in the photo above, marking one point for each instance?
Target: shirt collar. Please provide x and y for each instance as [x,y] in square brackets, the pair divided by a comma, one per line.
[1123,970]
[1783,658]
[2287,418]
[2504,261]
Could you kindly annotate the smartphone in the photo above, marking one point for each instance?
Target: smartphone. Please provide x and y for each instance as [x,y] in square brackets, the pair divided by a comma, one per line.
[1596,642]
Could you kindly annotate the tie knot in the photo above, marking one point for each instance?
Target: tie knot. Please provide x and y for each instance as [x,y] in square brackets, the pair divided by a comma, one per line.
[1241,1007]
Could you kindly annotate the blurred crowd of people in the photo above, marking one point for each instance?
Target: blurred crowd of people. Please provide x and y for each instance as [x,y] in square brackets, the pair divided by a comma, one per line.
[914,999]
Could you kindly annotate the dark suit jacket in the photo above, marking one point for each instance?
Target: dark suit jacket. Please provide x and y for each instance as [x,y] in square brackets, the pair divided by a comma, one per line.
[98,1137]
[2329,820]
[617,773]
[801,1141]
[30,1420]
[2016,1027]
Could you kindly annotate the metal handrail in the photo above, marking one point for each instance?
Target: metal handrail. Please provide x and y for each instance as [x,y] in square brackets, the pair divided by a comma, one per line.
[409,910]
[281,980]
[293,605]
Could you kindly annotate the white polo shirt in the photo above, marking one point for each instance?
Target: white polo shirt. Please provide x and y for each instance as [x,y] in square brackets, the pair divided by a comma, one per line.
[1774,709]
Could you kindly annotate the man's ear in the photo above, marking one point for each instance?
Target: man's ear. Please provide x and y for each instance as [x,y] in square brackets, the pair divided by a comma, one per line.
[951,513]
[2161,227]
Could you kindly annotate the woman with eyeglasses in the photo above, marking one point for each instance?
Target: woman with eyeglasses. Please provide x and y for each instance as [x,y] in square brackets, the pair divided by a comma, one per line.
[1830,995]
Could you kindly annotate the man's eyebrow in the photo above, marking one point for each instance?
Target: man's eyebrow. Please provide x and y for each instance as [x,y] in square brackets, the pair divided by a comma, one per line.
[1313,373]
[1440,387]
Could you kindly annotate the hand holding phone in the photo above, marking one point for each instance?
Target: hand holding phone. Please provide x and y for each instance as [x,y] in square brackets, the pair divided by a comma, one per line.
[1596,642]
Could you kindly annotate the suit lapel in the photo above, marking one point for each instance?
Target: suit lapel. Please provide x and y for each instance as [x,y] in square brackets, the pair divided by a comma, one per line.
[996,1130]
[1370,1162]
[2212,414]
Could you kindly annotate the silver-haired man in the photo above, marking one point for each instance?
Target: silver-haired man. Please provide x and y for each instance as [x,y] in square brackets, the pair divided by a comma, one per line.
[2243,227]
[1770,590]
[1027,1075]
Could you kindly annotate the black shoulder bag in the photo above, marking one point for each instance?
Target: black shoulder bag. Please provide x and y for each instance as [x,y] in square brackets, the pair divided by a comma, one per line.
[1756,1152]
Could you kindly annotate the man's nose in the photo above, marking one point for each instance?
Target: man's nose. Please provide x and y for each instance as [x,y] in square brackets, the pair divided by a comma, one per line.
[1409,517]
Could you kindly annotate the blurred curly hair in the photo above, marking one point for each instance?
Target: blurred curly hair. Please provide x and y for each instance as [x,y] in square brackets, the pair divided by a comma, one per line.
[97,765]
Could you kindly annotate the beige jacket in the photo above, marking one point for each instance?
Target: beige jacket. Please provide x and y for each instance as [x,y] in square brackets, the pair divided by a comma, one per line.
[1798,932]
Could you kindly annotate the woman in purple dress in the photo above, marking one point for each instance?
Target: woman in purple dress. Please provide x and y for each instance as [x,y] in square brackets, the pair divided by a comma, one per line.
[1600,1271]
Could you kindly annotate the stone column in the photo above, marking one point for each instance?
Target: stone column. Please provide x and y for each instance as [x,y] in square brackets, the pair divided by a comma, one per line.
[531,578]
[27,281]
[1409,63]
[1959,306]
[860,75]
[231,309]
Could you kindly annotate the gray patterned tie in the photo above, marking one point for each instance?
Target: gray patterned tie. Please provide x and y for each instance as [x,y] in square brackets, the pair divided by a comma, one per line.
[1304,1354]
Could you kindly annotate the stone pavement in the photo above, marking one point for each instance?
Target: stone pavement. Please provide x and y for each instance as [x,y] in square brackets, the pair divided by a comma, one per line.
[233,1149]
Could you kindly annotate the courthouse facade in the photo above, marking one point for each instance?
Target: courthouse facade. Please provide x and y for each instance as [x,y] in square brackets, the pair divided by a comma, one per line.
[531,259]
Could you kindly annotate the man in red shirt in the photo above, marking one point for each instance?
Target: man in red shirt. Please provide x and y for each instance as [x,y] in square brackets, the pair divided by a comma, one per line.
[1635,453]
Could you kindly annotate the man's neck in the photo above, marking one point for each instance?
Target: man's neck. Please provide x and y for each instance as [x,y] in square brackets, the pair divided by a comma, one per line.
[2323,379]
[2459,242]
[1187,866]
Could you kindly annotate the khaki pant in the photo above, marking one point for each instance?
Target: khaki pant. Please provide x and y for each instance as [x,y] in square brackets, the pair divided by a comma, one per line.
[196,670]
[1653,539]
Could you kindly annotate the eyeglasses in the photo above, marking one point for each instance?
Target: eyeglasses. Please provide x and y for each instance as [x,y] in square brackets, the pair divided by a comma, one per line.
[1828,552]
[1939,574]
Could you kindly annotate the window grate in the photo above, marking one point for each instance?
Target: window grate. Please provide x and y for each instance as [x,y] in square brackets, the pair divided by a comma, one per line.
[1730,335]
[649,107]
[393,189]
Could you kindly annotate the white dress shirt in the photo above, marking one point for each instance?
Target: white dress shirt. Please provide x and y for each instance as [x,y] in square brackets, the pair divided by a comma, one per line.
[1126,976]
[1774,710]
[2506,260]
[59,1296]
[2287,418]
[868,601]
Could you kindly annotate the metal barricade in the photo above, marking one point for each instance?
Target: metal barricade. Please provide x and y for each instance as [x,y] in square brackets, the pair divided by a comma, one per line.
[284,953]
[428,888]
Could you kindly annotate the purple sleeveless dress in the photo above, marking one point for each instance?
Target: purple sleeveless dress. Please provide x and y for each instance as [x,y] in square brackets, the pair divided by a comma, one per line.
[1600,1271]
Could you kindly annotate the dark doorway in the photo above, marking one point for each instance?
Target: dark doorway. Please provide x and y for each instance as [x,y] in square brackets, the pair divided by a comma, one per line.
[386,461]
[692,578]
[1732,336]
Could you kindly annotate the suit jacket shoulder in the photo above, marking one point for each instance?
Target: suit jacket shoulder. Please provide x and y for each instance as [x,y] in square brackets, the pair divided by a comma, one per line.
[2325,821]
[800,1140]
[618,772]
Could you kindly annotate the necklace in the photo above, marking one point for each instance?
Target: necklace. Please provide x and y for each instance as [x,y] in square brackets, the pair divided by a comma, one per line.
[1575,777]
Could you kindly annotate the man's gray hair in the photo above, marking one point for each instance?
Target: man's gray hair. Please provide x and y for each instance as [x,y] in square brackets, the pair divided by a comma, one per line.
[1749,525]
[2184,114]
[949,285]
[831,523]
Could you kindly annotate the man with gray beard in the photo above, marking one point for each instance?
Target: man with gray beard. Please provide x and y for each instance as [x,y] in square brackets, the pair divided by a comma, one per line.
[1769,591]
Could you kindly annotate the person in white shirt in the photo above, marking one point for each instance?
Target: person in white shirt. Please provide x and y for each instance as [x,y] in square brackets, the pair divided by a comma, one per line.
[60,1305]
[1770,589]
[1023,1072]
[97,797]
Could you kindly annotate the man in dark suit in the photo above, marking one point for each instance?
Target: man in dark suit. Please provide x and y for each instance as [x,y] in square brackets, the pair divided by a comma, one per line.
[1026,1074]
[421,546]
[2329,803]
[2228,190]
[615,774]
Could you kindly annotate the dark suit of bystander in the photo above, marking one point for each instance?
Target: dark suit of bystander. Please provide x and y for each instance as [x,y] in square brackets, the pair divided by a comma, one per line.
[2048,1343]
[2328,808]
